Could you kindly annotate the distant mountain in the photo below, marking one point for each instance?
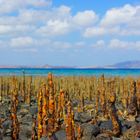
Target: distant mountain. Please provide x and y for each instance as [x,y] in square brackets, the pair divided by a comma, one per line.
[57,67]
[37,66]
[126,64]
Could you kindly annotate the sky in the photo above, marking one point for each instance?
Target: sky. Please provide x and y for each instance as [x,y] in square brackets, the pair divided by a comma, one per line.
[69,32]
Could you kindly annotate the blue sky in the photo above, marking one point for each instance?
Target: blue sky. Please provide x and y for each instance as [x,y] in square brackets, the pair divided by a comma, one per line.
[69,32]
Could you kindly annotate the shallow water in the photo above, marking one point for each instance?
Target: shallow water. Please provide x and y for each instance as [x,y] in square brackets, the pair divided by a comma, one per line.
[71,72]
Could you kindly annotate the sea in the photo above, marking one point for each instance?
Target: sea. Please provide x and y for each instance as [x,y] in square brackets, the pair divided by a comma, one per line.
[69,72]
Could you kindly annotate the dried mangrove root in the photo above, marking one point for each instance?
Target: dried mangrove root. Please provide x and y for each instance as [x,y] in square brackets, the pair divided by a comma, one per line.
[138,95]
[15,123]
[133,107]
[70,133]
[39,116]
[45,105]
[34,132]
[103,101]
[116,130]
[29,91]
[79,133]
[61,104]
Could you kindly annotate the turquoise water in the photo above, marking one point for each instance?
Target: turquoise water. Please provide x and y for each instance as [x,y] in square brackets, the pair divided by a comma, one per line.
[71,72]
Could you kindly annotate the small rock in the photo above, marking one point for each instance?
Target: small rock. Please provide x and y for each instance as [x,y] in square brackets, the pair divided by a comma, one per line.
[44,138]
[0,135]
[20,98]
[75,103]
[27,119]
[25,106]
[132,108]
[2,116]
[33,100]
[138,119]
[82,117]
[88,138]
[103,137]
[25,132]
[8,132]
[129,124]
[130,134]
[52,138]
[7,124]
[77,117]
[124,129]
[90,130]
[33,110]
[61,135]
[106,125]
[23,112]
[7,127]
[6,138]
[114,138]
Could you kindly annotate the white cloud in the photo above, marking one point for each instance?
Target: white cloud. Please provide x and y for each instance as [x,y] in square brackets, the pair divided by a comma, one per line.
[28,26]
[2,44]
[59,13]
[5,29]
[123,21]
[85,18]
[15,30]
[94,31]
[22,42]
[62,22]
[116,43]
[80,44]
[111,31]
[99,44]
[120,15]
[7,6]
[55,21]
[61,45]
[38,3]
[30,43]
[55,27]
[33,50]
[64,10]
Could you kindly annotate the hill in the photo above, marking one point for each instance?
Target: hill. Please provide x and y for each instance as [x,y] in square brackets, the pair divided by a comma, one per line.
[126,64]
